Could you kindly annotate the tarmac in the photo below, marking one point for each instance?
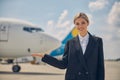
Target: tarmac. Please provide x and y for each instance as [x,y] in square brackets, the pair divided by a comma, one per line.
[47,72]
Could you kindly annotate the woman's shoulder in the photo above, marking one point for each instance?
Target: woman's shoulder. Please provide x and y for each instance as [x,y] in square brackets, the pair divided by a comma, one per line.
[97,37]
[94,36]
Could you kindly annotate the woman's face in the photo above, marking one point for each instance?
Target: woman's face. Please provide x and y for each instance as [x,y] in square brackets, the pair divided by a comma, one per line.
[81,24]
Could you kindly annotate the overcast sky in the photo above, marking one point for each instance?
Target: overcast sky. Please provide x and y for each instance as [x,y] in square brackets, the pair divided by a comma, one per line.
[55,17]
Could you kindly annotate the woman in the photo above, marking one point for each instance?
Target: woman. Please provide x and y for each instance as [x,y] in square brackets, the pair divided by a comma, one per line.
[83,56]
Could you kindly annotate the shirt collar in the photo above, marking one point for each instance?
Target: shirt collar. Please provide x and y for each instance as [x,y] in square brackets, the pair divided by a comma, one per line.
[83,38]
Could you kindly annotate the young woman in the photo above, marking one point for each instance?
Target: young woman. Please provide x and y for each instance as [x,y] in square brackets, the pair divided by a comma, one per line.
[83,56]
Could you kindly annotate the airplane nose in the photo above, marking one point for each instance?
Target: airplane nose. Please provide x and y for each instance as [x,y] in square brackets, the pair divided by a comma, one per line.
[56,43]
[51,42]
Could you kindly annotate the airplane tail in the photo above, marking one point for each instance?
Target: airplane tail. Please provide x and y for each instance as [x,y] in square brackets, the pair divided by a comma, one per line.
[72,34]
[60,50]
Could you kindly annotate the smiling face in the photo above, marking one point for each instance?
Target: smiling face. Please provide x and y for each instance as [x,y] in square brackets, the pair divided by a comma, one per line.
[81,22]
[81,25]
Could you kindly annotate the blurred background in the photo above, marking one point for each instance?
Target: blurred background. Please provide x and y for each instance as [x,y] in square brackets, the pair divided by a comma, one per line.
[56,18]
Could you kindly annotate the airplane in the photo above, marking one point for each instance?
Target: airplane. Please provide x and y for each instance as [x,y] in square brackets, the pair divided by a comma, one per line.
[20,38]
[55,53]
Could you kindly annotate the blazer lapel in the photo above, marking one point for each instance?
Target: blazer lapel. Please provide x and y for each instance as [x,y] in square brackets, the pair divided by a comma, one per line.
[90,46]
[78,45]
[79,53]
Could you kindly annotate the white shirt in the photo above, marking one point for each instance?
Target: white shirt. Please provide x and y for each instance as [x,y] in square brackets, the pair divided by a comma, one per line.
[84,41]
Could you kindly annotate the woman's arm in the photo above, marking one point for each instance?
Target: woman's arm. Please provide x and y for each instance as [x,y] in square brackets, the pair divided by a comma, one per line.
[62,64]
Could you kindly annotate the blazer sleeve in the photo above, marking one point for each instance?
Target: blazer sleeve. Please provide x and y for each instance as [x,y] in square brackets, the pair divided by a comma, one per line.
[100,68]
[62,64]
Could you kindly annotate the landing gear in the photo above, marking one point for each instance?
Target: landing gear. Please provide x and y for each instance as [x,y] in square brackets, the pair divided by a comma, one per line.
[10,61]
[16,68]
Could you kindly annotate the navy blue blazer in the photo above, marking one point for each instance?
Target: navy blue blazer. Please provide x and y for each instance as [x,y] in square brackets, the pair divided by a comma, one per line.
[89,66]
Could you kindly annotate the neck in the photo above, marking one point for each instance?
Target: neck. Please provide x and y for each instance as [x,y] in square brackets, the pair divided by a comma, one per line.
[83,33]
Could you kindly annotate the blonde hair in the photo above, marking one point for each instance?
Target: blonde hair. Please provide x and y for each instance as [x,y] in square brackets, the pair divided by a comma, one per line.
[81,15]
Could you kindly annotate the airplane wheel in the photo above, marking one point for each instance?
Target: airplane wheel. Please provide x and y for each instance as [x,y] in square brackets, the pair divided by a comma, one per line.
[16,68]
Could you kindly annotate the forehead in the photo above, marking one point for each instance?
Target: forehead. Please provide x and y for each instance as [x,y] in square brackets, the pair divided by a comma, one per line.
[80,20]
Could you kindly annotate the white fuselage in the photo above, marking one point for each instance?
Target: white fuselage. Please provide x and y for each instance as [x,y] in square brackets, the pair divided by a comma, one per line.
[19,39]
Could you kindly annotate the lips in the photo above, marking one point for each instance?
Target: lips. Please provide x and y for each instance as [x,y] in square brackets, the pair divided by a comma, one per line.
[80,29]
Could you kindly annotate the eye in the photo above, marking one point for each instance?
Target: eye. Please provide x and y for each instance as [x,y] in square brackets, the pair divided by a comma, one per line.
[83,22]
[77,23]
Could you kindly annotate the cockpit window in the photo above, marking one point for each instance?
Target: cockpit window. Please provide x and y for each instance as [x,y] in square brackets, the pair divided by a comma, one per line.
[31,29]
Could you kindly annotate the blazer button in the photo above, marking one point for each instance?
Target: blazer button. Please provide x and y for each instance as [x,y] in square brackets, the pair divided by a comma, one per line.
[86,72]
[79,73]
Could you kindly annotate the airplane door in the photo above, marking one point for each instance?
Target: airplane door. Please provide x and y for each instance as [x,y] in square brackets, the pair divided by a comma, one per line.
[3,33]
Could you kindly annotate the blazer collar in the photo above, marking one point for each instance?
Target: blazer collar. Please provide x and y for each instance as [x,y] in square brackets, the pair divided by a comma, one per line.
[90,46]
